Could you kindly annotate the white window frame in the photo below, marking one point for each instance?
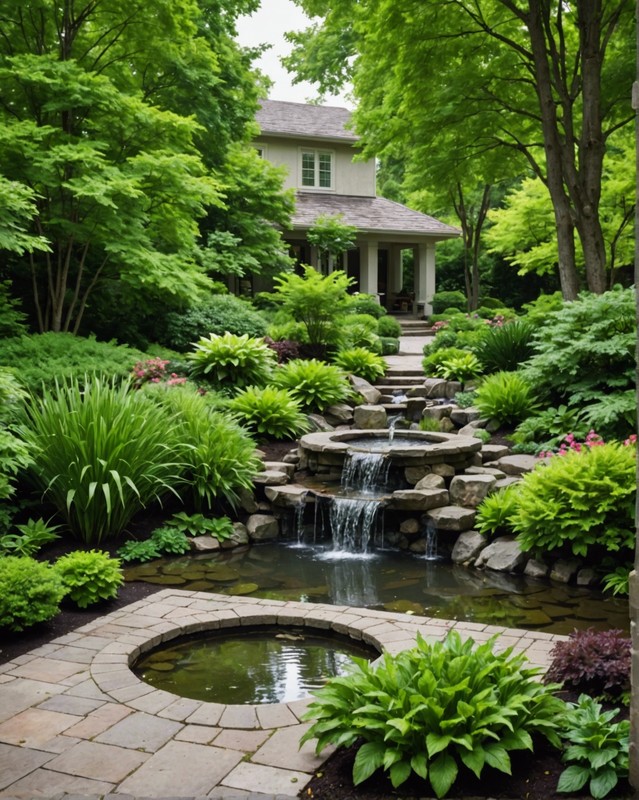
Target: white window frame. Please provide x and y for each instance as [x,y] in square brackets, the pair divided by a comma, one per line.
[261,150]
[316,152]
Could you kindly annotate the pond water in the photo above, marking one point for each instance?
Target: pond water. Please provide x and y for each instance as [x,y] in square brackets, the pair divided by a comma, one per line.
[393,581]
[263,665]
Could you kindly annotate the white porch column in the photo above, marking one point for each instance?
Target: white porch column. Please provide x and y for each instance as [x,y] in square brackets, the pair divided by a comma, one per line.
[424,269]
[368,268]
[314,259]
[395,276]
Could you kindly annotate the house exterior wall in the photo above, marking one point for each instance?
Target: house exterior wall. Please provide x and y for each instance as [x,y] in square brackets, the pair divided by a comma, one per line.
[349,178]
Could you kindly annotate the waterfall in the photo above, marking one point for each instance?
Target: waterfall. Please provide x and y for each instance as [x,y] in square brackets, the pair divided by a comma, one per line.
[430,551]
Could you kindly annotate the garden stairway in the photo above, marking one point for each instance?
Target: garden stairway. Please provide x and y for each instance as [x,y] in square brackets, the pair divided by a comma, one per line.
[414,327]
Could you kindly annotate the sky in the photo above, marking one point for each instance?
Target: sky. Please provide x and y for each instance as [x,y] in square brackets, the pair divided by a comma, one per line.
[267,26]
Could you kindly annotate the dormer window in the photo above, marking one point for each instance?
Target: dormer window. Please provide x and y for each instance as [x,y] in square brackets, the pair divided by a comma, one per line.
[317,169]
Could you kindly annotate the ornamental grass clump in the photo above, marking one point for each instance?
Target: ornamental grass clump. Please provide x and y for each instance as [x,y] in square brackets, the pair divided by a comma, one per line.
[314,384]
[103,452]
[229,363]
[435,709]
[506,397]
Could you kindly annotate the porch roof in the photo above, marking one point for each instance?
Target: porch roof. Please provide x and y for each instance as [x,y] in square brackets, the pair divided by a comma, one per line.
[280,118]
[368,215]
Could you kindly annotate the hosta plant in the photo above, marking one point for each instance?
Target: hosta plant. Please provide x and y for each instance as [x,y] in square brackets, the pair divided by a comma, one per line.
[506,397]
[435,709]
[314,384]
[229,363]
[31,537]
[105,451]
[597,752]
[432,361]
[89,576]
[495,512]
[460,368]
[269,413]
[582,502]
[361,362]
[31,592]
[170,541]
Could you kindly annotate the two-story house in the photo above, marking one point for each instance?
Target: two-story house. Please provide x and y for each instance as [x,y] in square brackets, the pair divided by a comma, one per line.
[316,146]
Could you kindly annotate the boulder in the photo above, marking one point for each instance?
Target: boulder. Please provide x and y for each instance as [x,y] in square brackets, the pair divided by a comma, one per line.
[369,417]
[452,518]
[536,569]
[445,470]
[468,546]
[515,465]
[281,466]
[435,387]
[564,570]
[497,473]
[289,496]
[317,423]
[262,527]
[339,414]
[238,538]
[410,525]
[431,481]
[246,500]
[586,577]
[470,490]
[271,477]
[464,416]
[452,387]
[493,452]
[438,412]
[415,408]
[504,554]
[204,544]
[415,474]
[365,389]
[502,483]
[417,500]
[446,425]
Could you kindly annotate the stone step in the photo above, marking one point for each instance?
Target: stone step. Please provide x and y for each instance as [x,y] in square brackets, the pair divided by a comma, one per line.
[385,388]
[418,332]
[406,372]
[416,380]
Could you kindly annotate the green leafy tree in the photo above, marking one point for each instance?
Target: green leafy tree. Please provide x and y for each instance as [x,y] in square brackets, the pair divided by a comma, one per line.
[332,236]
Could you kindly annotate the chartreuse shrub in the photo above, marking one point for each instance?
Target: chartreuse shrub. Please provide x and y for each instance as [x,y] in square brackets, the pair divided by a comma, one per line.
[505,348]
[581,502]
[269,413]
[229,363]
[460,368]
[31,592]
[389,326]
[104,451]
[495,512]
[218,314]
[361,362]
[42,359]
[219,456]
[314,384]
[435,709]
[506,397]
[597,752]
[434,360]
[89,576]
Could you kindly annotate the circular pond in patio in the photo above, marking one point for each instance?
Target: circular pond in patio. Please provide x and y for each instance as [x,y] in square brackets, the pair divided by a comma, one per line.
[249,665]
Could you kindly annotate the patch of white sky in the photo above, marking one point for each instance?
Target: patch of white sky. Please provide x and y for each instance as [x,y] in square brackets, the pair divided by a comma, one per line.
[268,26]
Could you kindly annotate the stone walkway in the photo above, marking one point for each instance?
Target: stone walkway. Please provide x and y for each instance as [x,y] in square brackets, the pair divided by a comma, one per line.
[76,722]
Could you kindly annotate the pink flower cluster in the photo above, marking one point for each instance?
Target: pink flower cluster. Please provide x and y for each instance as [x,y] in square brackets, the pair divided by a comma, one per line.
[572,444]
[437,326]
[153,370]
[497,321]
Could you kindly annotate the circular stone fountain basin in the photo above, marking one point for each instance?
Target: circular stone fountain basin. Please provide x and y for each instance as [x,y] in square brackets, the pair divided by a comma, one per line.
[406,448]
[249,666]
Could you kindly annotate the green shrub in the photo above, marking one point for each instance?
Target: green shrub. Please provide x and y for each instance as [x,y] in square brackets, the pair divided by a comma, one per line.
[31,592]
[580,502]
[495,512]
[429,424]
[506,397]
[465,399]
[359,330]
[444,300]
[89,576]
[365,304]
[219,456]
[598,748]
[361,362]
[12,394]
[460,368]
[30,539]
[491,302]
[16,456]
[432,362]
[390,345]
[538,311]
[147,550]
[219,314]
[291,330]
[314,384]
[229,363]
[170,541]
[104,452]
[269,412]
[198,525]
[435,709]
[389,326]
[482,434]
[12,319]
[548,427]
[44,358]
[505,348]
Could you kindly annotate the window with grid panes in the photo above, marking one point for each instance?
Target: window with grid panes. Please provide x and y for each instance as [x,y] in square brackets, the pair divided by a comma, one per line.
[317,169]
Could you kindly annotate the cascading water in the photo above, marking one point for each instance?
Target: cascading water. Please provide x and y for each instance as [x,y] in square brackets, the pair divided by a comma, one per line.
[353,513]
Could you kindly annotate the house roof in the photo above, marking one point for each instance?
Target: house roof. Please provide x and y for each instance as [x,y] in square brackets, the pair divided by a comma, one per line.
[280,118]
[368,215]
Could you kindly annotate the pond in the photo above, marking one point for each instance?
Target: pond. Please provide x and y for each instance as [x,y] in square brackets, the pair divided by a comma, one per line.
[392,581]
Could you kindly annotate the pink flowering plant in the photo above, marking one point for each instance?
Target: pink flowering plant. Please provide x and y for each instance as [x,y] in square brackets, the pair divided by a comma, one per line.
[153,370]
[571,444]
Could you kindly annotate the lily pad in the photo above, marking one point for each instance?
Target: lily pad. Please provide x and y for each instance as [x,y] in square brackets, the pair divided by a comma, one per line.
[242,588]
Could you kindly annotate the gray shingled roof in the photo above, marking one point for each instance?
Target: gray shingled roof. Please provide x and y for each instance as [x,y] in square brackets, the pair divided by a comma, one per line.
[368,214]
[299,119]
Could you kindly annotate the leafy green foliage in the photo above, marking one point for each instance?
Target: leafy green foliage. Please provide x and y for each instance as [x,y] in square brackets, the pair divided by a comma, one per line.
[495,512]
[269,412]
[12,319]
[314,384]
[229,363]
[389,326]
[618,581]
[444,300]
[220,528]
[581,502]
[361,362]
[362,303]
[89,576]
[460,368]
[31,592]
[359,330]
[104,451]
[598,748]
[331,235]
[507,397]
[390,345]
[315,300]
[170,541]
[42,359]
[506,347]
[218,314]
[548,426]
[433,709]
[30,539]
[146,550]
[538,310]
[218,455]
[465,399]
[429,424]
[594,662]
[432,362]
[585,358]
